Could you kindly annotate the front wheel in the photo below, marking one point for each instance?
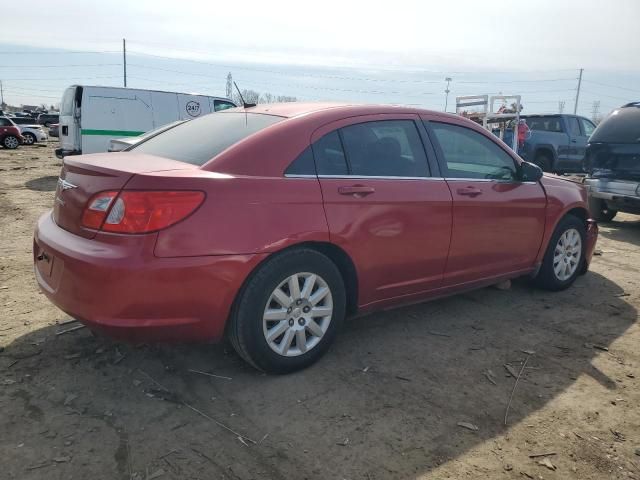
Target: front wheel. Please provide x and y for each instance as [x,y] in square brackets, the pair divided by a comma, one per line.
[564,258]
[29,138]
[544,162]
[289,312]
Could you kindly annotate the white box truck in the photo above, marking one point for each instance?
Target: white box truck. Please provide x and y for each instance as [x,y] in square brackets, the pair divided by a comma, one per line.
[91,116]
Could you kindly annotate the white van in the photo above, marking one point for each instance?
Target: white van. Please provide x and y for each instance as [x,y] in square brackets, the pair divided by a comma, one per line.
[91,116]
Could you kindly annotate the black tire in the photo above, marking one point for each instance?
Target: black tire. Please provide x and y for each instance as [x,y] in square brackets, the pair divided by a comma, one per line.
[600,211]
[544,162]
[29,138]
[11,142]
[246,323]
[547,278]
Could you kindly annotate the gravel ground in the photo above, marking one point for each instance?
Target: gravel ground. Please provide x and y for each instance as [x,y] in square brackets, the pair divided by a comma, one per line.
[394,397]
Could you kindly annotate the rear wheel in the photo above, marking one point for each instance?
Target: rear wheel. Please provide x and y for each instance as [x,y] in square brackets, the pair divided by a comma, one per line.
[600,211]
[289,312]
[564,258]
[29,138]
[11,142]
[543,161]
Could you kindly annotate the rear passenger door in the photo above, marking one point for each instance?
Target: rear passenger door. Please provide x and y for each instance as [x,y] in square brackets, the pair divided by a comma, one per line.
[498,221]
[382,205]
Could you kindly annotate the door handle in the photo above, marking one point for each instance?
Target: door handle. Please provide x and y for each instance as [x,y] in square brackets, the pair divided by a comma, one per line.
[357,191]
[573,141]
[469,191]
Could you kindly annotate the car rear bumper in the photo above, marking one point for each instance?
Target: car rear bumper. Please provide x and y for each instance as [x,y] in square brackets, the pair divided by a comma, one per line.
[61,152]
[115,285]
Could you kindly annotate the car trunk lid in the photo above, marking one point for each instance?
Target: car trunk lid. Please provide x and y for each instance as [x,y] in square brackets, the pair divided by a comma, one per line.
[84,176]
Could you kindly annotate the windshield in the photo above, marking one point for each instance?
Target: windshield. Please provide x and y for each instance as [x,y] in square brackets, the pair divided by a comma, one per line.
[198,141]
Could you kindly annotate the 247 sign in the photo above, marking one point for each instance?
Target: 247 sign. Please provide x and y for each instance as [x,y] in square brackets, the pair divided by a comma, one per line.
[193,108]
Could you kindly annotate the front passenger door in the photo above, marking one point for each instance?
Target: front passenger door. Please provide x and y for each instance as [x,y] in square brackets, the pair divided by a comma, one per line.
[498,221]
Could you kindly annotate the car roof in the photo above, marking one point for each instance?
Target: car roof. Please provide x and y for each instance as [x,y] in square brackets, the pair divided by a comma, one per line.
[297,109]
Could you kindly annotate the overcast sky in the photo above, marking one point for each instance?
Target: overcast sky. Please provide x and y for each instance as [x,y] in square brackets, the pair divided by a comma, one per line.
[444,36]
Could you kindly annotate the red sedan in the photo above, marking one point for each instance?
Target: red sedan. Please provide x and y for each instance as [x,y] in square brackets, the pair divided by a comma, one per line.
[271,224]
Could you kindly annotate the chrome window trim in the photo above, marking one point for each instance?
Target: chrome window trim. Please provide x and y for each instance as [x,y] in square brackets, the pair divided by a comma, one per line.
[451,179]
[448,179]
[375,177]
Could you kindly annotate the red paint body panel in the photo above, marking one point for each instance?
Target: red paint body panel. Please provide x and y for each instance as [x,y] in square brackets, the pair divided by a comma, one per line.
[114,284]
[410,240]
[496,232]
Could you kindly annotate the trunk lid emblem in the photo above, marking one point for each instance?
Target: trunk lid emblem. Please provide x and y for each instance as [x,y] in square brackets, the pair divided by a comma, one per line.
[64,185]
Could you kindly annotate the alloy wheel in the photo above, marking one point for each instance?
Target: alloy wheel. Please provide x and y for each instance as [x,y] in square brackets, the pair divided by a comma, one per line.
[297,314]
[11,142]
[567,254]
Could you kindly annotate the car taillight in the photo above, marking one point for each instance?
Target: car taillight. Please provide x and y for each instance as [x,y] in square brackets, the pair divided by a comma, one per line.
[139,211]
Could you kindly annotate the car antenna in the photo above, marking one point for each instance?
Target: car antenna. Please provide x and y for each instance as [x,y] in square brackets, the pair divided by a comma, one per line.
[244,104]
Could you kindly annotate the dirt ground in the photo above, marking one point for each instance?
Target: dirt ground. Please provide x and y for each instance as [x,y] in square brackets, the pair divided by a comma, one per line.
[386,401]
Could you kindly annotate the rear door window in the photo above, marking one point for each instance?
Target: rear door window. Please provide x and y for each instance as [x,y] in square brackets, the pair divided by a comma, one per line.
[389,148]
[329,155]
[469,154]
[201,139]
[544,124]
[5,122]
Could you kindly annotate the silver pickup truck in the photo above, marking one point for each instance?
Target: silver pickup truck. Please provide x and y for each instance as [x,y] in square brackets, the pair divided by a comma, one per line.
[613,164]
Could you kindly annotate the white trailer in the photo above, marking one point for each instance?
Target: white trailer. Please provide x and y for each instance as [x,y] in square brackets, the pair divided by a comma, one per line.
[91,116]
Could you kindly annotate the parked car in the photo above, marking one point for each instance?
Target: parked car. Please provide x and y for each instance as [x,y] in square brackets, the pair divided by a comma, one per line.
[557,143]
[47,119]
[120,144]
[613,164]
[33,134]
[10,136]
[270,224]
[54,130]
[31,131]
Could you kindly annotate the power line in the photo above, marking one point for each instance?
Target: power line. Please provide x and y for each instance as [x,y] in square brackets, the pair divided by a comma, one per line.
[612,86]
[499,82]
[624,99]
[63,66]
[59,79]
[46,52]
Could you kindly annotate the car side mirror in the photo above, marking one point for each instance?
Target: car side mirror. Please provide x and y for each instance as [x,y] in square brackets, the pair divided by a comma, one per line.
[529,172]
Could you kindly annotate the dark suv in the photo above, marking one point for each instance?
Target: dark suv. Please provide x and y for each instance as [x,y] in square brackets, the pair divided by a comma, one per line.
[48,119]
[613,164]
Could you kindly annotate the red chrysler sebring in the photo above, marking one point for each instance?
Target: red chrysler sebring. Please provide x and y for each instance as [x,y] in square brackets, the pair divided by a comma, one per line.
[271,224]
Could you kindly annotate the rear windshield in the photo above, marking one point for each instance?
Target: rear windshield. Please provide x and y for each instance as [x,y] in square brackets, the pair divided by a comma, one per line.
[622,126]
[544,124]
[198,141]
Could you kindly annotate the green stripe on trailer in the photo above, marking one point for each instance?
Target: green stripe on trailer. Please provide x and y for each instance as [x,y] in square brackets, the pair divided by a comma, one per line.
[111,133]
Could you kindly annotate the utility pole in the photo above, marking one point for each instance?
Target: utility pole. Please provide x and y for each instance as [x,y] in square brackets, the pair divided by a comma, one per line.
[446,91]
[1,95]
[229,89]
[124,60]
[595,111]
[575,107]
[561,106]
